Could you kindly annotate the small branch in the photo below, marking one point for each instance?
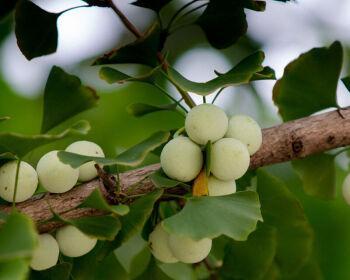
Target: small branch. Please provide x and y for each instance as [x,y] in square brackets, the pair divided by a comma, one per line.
[132,28]
[285,142]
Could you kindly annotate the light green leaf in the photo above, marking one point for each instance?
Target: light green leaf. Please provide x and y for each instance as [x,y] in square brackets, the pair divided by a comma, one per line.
[239,214]
[242,73]
[131,157]
[317,173]
[18,237]
[253,258]
[16,269]
[142,109]
[97,201]
[4,119]
[20,144]
[60,271]
[64,97]
[178,271]
[309,83]
[160,180]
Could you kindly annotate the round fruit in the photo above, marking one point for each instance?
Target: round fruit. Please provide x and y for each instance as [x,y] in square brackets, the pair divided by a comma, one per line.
[346,189]
[188,250]
[26,185]
[86,148]
[158,242]
[46,254]
[54,175]
[246,130]
[206,122]
[229,159]
[73,243]
[181,159]
[218,187]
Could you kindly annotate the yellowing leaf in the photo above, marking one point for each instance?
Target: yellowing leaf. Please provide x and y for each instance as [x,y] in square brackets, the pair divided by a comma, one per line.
[200,185]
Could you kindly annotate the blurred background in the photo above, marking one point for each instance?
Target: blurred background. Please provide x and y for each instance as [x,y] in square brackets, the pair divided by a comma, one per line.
[283,32]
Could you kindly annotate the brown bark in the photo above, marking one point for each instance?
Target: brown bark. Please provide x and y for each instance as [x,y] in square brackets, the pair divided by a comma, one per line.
[285,142]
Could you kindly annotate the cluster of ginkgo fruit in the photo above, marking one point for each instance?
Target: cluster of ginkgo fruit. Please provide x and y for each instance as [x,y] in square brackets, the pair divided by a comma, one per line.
[233,140]
[56,177]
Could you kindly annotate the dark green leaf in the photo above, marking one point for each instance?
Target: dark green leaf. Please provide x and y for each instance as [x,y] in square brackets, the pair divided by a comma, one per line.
[36,30]
[160,180]
[346,82]
[239,214]
[251,259]
[142,109]
[16,269]
[309,83]
[155,5]
[64,97]
[153,272]
[6,7]
[98,3]
[18,237]
[266,74]
[4,119]
[178,271]
[20,144]
[317,173]
[311,270]
[242,73]
[131,157]
[142,51]
[281,209]
[58,272]
[208,148]
[97,201]
[258,6]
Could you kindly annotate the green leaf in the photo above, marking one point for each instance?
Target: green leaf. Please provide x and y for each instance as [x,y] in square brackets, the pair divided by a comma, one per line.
[36,30]
[239,214]
[142,109]
[266,74]
[224,21]
[281,209]
[208,148]
[20,144]
[97,201]
[153,272]
[309,83]
[18,237]
[16,269]
[346,82]
[311,270]
[178,271]
[4,119]
[160,180]
[64,97]
[242,73]
[317,173]
[155,5]
[7,7]
[97,3]
[131,157]
[250,259]
[142,51]
[58,272]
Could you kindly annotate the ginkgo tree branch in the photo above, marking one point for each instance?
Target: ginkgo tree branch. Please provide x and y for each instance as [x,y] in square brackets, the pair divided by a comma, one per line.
[281,143]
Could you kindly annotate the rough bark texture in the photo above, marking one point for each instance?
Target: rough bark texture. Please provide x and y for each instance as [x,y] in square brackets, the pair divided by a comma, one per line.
[291,140]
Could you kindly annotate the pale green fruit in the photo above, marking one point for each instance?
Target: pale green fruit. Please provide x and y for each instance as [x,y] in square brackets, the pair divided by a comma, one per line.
[181,159]
[206,122]
[187,250]
[46,254]
[26,185]
[86,148]
[229,159]
[346,189]
[159,244]
[218,187]
[54,175]
[246,130]
[74,243]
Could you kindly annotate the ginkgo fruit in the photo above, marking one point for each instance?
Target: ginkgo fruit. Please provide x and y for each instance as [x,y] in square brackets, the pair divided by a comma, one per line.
[218,187]
[54,175]
[46,254]
[206,122]
[246,130]
[181,159]
[346,189]
[87,171]
[26,184]
[187,250]
[159,244]
[74,243]
[229,159]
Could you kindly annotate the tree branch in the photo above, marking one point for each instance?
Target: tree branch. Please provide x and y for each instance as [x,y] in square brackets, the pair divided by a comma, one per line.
[285,142]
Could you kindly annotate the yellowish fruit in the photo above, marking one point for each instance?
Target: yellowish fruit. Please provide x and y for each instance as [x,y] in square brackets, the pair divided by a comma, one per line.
[87,171]
[229,159]
[26,185]
[181,159]
[218,187]
[206,122]
[46,254]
